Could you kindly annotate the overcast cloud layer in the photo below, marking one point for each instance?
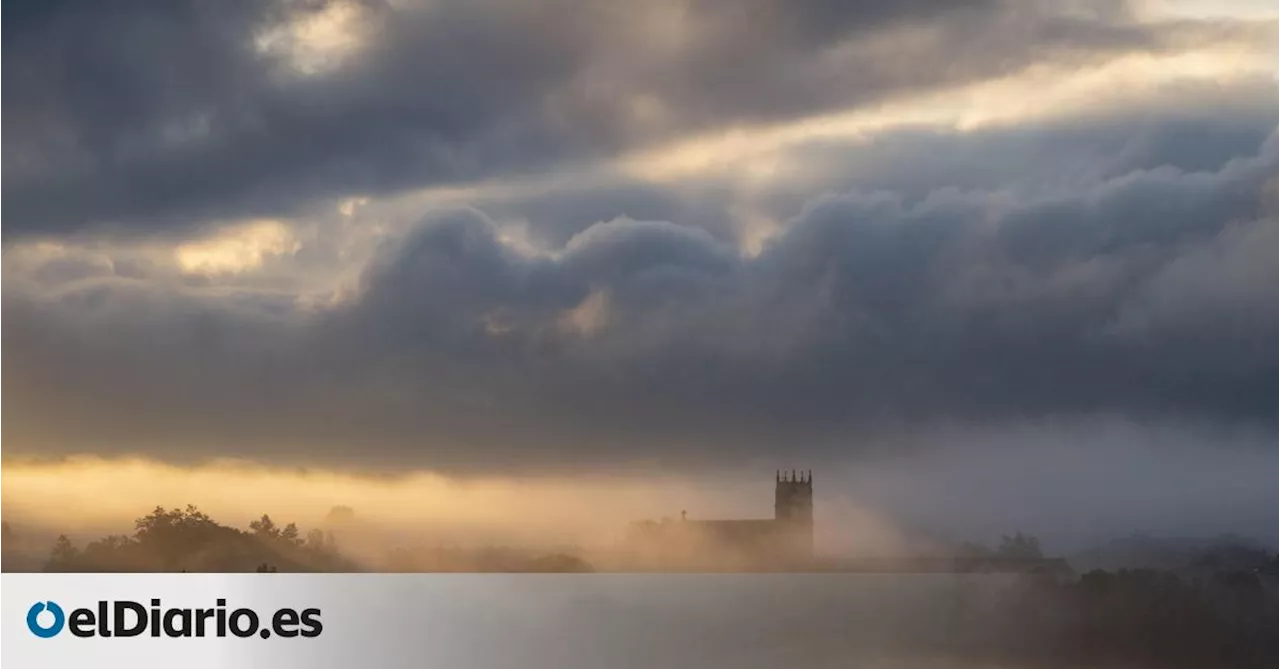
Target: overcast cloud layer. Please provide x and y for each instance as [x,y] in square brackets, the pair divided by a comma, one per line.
[526,234]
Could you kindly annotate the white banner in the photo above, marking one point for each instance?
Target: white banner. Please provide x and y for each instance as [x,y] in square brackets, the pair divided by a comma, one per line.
[477,620]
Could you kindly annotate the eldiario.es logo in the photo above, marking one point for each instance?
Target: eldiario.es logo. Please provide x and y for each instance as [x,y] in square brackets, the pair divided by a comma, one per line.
[125,618]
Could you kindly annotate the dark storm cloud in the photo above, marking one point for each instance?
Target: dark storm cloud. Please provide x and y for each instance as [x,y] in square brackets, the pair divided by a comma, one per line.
[138,117]
[1147,295]
[174,115]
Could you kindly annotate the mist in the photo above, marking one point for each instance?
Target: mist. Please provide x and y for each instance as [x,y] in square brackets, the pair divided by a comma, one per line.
[1073,485]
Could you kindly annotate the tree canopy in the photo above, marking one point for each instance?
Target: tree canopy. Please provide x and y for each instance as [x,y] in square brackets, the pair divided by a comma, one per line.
[189,540]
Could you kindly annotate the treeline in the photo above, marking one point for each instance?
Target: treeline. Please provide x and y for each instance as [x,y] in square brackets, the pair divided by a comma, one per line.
[189,540]
[179,540]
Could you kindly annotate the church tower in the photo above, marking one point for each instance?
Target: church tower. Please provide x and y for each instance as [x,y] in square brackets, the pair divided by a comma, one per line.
[793,510]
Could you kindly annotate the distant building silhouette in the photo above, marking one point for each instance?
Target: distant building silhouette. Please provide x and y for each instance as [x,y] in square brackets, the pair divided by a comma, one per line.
[787,538]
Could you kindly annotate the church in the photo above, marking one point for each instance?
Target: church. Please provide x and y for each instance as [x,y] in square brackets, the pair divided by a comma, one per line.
[784,540]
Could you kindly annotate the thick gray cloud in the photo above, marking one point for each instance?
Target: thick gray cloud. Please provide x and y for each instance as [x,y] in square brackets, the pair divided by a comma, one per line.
[1149,295]
[953,294]
[175,115]
[137,118]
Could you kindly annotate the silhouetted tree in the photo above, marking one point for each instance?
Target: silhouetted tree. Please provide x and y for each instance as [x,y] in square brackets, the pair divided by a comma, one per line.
[320,541]
[111,553]
[64,555]
[264,528]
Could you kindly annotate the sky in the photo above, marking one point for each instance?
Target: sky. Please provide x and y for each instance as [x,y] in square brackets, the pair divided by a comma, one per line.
[977,262]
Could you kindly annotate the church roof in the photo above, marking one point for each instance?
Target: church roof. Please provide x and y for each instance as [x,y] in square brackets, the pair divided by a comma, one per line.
[735,529]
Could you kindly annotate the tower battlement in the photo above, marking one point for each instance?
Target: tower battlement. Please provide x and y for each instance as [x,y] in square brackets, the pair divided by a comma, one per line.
[793,509]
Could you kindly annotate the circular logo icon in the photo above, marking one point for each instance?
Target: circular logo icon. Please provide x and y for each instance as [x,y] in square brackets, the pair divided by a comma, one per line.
[33,619]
